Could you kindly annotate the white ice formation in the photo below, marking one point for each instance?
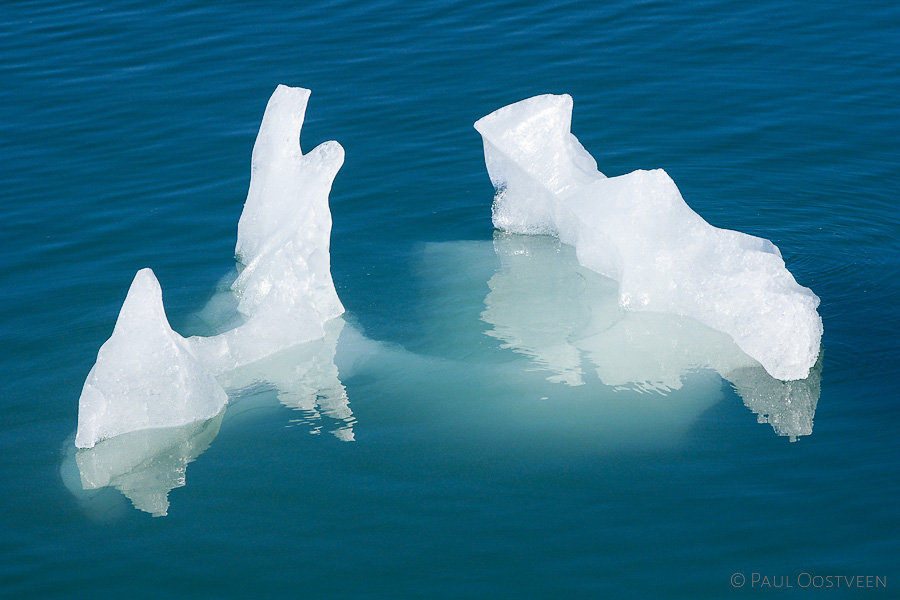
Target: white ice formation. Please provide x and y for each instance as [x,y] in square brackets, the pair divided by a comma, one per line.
[637,230]
[145,465]
[147,376]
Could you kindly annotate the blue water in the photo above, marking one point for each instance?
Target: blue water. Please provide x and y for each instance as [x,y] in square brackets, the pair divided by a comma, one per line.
[127,132]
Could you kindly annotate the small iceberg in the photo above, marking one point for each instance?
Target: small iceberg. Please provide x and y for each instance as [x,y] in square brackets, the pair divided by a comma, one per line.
[149,377]
[637,230]
[285,291]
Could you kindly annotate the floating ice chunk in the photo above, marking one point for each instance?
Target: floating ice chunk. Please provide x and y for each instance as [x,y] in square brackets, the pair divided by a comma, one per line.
[273,324]
[284,289]
[284,232]
[637,229]
[145,465]
[145,376]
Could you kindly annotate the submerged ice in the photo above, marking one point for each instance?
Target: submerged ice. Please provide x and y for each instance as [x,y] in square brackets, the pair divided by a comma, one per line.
[147,376]
[566,319]
[146,465]
[637,230]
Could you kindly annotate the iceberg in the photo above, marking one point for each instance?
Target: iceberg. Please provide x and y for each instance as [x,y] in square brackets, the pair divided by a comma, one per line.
[149,377]
[145,465]
[638,230]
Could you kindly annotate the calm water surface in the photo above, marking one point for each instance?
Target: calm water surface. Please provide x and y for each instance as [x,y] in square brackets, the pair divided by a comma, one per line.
[127,133]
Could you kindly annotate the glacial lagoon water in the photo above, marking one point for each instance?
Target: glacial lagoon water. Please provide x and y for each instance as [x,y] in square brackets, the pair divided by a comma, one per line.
[483,422]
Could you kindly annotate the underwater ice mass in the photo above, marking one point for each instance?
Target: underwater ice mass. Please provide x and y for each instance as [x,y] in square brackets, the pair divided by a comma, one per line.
[637,230]
[635,291]
[566,319]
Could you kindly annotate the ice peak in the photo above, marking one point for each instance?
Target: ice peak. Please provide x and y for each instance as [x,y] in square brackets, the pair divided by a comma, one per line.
[145,376]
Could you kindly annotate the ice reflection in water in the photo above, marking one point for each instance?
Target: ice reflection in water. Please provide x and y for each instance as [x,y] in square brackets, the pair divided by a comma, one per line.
[543,304]
[146,465]
[303,378]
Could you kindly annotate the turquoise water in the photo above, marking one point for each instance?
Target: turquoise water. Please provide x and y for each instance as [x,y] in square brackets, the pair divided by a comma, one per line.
[127,134]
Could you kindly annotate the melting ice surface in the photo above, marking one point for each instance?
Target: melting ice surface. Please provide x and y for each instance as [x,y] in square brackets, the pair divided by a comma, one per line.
[637,230]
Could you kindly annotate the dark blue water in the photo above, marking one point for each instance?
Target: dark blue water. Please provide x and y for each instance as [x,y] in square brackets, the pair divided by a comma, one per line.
[127,132]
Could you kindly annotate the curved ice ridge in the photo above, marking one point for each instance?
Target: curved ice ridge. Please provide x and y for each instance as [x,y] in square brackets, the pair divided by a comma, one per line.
[149,377]
[637,229]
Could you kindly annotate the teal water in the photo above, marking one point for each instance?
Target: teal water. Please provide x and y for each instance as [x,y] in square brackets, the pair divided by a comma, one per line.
[127,134]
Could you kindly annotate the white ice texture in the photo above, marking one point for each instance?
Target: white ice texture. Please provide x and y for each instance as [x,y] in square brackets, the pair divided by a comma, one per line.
[147,376]
[637,230]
